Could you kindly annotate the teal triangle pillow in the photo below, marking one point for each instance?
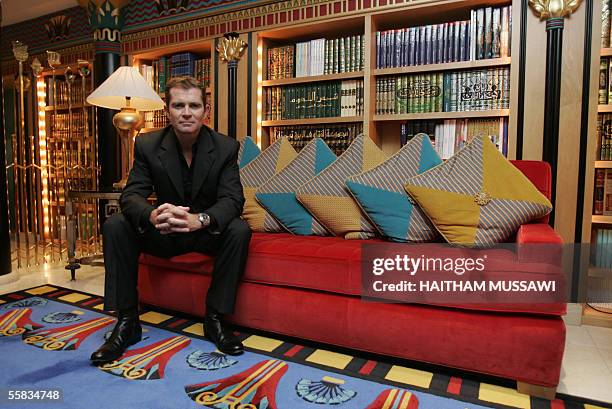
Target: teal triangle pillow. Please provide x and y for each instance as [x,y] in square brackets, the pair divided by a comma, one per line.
[277,195]
[247,152]
[381,195]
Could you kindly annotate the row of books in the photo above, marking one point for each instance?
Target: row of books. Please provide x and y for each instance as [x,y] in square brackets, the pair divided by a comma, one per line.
[59,93]
[337,136]
[316,100]
[160,71]
[605,83]
[604,136]
[601,252]
[316,57]
[155,119]
[460,91]
[486,35]
[64,125]
[85,225]
[602,203]
[449,136]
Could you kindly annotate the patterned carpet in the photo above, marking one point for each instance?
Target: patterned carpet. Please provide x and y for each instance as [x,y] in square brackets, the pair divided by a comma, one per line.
[47,334]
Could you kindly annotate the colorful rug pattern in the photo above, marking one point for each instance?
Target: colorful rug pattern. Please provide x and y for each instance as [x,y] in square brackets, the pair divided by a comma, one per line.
[47,334]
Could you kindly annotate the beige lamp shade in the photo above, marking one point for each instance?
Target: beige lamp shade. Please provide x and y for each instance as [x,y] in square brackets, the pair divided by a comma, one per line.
[126,82]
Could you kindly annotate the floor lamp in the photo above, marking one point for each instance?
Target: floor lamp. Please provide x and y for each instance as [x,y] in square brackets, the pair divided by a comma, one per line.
[126,90]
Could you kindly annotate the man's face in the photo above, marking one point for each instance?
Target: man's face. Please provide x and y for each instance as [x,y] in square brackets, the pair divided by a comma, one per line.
[186,110]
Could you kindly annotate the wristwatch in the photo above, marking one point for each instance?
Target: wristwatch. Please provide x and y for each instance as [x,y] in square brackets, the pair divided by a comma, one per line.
[204,220]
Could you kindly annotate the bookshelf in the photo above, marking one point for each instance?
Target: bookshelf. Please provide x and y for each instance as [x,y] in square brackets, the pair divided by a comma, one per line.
[323,91]
[597,220]
[496,113]
[385,127]
[68,147]
[159,65]
[600,219]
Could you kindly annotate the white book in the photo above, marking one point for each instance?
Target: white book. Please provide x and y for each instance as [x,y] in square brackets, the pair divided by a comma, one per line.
[354,98]
[452,135]
[343,98]
[322,56]
[438,135]
[473,35]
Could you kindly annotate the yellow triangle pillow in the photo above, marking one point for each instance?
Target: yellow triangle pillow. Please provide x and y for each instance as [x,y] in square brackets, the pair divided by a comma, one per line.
[477,198]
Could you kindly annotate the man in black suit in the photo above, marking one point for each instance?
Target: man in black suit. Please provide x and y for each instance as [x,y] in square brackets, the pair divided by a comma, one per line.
[194,173]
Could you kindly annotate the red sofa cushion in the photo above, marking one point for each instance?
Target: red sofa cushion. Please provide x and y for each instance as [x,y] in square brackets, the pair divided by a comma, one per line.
[332,264]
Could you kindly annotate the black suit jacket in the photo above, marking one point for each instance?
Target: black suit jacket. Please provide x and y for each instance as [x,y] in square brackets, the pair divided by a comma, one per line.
[216,188]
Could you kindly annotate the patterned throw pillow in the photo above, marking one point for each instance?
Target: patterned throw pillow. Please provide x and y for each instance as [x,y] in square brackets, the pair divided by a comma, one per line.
[477,198]
[278,194]
[247,152]
[271,161]
[328,199]
[380,192]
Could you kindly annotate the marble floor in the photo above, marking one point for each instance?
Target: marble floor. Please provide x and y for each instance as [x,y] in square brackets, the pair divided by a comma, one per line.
[587,363]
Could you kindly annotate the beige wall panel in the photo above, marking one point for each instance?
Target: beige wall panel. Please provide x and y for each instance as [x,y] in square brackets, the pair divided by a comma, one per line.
[514,77]
[242,103]
[255,44]
[535,74]
[222,95]
[569,125]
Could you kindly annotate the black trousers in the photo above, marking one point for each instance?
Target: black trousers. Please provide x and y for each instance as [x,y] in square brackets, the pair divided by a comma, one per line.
[123,245]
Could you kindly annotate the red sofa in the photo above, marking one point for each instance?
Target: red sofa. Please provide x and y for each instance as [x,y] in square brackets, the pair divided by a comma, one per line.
[309,287]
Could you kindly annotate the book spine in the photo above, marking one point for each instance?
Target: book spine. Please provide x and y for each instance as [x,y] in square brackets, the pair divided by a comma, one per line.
[509,30]
[428,45]
[488,31]
[326,60]
[453,95]
[403,54]
[506,88]
[607,200]
[480,34]
[336,56]
[362,53]
[451,42]
[440,43]
[378,50]
[463,41]
[411,46]
[440,90]
[422,45]
[445,43]
[457,41]
[397,48]
[600,181]
[495,35]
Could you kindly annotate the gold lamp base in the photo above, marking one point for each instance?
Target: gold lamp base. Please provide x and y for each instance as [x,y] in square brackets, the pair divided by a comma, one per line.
[127,121]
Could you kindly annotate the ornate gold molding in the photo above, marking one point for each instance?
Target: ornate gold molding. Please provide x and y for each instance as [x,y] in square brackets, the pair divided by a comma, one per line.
[231,47]
[547,9]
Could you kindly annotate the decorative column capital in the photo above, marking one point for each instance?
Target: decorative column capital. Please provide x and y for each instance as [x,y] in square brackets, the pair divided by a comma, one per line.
[20,51]
[231,47]
[554,9]
[106,18]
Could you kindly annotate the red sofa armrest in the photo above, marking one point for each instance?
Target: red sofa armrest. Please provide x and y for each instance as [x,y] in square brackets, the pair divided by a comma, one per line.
[539,243]
[537,233]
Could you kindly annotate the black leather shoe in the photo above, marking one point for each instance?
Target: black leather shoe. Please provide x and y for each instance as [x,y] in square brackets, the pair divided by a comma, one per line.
[127,332]
[223,338]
